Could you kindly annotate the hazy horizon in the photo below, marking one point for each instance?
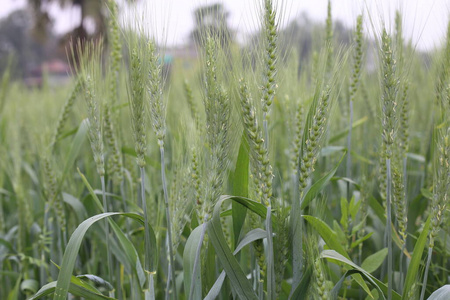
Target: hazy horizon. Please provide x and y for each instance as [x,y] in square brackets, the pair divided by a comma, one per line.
[425,22]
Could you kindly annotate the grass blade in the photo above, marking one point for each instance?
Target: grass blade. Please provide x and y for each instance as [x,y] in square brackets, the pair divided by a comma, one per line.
[319,185]
[416,259]
[328,235]
[239,182]
[301,291]
[189,256]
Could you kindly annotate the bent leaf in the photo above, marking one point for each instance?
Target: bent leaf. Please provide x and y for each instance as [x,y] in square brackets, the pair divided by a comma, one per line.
[380,286]
[374,261]
[253,235]
[442,293]
[239,281]
[71,253]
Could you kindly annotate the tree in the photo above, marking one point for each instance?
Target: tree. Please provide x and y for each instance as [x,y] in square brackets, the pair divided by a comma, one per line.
[211,20]
[15,40]
[90,9]
[93,10]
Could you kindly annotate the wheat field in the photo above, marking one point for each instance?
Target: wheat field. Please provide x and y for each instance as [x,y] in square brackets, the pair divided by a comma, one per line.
[253,174]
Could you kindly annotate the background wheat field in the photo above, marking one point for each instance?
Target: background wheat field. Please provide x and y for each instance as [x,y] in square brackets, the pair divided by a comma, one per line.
[247,172]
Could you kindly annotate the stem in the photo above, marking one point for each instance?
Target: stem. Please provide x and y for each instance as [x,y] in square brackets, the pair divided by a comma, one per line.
[444,259]
[359,263]
[150,283]
[401,267]
[405,181]
[42,275]
[253,266]
[64,238]
[119,289]
[260,282]
[197,259]
[169,223]
[55,249]
[297,242]
[385,241]
[108,250]
[349,148]
[169,278]
[270,256]
[295,187]
[124,202]
[388,227]
[425,278]
[2,215]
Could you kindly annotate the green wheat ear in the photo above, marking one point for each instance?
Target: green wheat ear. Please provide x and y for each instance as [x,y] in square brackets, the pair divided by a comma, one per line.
[115,162]
[403,132]
[218,111]
[116,50]
[51,191]
[90,75]
[64,115]
[389,94]
[261,168]
[95,129]
[155,90]
[400,202]
[357,58]
[281,243]
[313,135]
[136,99]
[299,123]
[440,201]
[270,56]
[319,287]
[441,184]
[389,83]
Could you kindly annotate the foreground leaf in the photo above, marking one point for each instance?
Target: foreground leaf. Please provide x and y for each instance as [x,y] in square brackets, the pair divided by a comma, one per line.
[71,253]
[416,259]
[239,182]
[301,291]
[380,286]
[97,280]
[189,254]
[319,185]
[239,281]
[130,252]
[255,234]
[442,293]
[327,234]
[374,261]
[74,289]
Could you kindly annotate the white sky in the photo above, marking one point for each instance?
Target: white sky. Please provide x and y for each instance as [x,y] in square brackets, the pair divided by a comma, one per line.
[425,21]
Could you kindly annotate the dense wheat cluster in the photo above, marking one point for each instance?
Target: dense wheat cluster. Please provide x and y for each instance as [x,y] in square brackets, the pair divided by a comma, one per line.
[225,180]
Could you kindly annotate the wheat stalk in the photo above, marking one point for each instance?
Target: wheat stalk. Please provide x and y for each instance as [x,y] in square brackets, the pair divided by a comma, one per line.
[389,131]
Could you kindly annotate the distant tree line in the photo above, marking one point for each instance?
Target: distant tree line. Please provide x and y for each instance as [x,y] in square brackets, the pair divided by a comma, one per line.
[27,33]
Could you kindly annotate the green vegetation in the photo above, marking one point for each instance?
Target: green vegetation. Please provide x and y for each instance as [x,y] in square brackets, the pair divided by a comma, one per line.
[226,179]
